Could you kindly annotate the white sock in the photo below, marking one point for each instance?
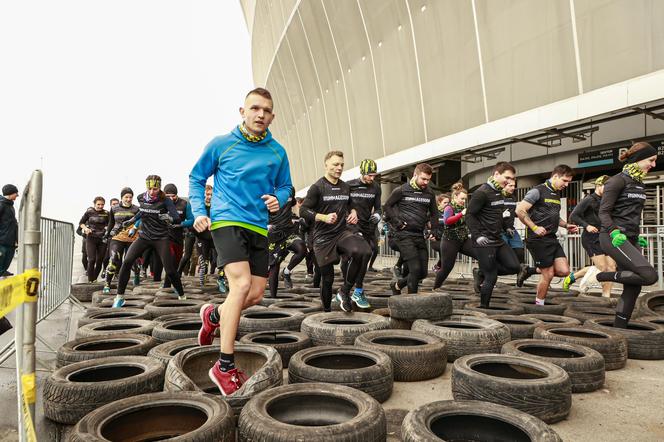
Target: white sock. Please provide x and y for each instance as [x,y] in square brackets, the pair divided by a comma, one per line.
[286,271]
[539,301]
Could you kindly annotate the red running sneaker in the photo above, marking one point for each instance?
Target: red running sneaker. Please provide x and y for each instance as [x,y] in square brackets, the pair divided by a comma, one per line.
[206,333]
[228,382]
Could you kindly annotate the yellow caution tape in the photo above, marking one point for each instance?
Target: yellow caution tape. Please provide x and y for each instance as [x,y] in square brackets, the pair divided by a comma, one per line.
[27,419]
[18,289]
[28,386]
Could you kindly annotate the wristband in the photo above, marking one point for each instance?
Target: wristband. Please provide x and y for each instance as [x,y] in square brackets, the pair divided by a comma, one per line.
[534,228]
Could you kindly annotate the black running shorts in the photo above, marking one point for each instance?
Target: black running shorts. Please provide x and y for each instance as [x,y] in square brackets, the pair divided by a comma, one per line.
[545,251]
[237,244]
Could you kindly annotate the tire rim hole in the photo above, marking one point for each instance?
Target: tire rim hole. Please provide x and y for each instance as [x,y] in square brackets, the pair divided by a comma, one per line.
[105,373]
[340,362]
[187,326]
[312,410]
[266,315]
[549,352]
[344,322]
[398,341]
[105,345]
[472,427]
[273,339]
[507,370]
[578,334]
[153,423]
[118,327]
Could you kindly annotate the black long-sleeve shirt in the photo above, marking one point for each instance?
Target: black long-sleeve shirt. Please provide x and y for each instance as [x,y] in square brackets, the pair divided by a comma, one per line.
[96,221]
[324,197]
[365,199]
[621,205]
[586,213]
[281,222]
[117,215]
[414,207]
[484,215]
[153,227]
[509,213]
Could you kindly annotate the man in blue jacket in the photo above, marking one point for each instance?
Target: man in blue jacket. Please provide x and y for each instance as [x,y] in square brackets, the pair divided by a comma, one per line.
[251,178]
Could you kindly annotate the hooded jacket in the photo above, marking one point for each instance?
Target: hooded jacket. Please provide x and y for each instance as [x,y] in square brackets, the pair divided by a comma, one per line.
[8,223]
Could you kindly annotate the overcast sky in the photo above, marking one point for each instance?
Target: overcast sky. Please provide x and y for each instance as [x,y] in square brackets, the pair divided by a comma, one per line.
[100,94]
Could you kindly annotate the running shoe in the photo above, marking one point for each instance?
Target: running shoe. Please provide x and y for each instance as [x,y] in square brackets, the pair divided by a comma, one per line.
[359,299]
[118,301]
[182,297]
[228,382]
[144,274]
[309,278]
[522,275]
[589,279]
[286,277]
[206,332]
[137,279]
[396,271]
[221,284]
[568,281]
[346,303]
[394,288]
[106,290]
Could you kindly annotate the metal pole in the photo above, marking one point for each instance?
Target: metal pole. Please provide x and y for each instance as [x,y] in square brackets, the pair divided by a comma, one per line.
[660,236]
[31,209]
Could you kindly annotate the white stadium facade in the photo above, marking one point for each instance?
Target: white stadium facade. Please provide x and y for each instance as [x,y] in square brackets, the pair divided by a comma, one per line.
[462,84]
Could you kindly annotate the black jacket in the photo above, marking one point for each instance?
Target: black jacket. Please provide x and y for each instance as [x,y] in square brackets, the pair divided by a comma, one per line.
[485,215]
[622,204]
[97,222]
[8,223]
[325,197]
[586,213]
[411,206]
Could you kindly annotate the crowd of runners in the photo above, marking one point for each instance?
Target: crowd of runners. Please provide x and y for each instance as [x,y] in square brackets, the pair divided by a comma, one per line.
[244,226]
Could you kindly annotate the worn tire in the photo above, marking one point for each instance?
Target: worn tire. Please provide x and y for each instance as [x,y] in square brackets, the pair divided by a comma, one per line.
[659,320]
[396,324]
[584,365]
[97,347]
[269,319]
[650,304]
[562,321]
[449,420]
[463,312]
[415,356]
[286,296]
[341,328]
[300,306]
[129,303]
[465,335]
[520,326]
[495,308]
[589,312]
[161,308]
[379,298]
[552,293]
[286,342]
[183,327]
[145,290]
[613,347]
[83,292]
[194,417]
[188,371]
[99,296]
[168,350]
[313,412]
[369,371]
[510,381]
[583,301]
[96,315]
[116,326]
[529,307]
[433,306]
[645,340]
[73,391]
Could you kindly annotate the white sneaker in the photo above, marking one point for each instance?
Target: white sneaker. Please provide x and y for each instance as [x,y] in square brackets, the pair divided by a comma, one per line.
[589,279]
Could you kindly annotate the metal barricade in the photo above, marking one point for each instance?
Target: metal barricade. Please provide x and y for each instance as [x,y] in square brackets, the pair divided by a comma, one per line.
[55,257]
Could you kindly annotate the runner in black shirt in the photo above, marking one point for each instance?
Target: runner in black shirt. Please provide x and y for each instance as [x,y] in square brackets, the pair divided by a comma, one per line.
[586,216]
[442,200]
[157,213]
[93,224]
[365,194]
[176,232]
[119,238]
[328,206]
[485,222]
[411,208]
[620,214]
[283,237]
[540,212]
[205,246]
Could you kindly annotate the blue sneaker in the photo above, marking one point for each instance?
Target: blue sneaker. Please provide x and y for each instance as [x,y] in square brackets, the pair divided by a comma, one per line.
[118,301]
[106,290]
[359,299]
[337,298]
[137,280]
[221,284]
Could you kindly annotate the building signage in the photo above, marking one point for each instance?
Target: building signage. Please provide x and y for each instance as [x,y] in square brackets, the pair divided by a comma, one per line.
[608,156]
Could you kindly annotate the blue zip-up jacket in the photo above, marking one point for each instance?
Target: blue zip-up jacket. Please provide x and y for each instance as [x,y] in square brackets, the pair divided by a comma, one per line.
[243,172]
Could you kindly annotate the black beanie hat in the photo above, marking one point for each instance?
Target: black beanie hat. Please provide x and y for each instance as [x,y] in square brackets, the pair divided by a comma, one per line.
[9,189]
[125,191]
[170,188]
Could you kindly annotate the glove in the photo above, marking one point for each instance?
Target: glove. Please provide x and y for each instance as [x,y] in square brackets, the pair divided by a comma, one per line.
[105,239]
[510,232]
[270,227]
[618,238]
[463,212]
[176,226]
[126,224]
[403,225]
[482,241]
[375,218]
[131,232]
[643,242]
[165,217]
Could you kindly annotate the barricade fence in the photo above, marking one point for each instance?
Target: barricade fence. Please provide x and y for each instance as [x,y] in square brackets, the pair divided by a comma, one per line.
[576,254]
[55,263]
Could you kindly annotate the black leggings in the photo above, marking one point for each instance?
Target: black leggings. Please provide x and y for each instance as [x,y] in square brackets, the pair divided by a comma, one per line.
[416,256]
[357,251]
[299,249]
[374,254]
[449,249]
[189,242]
[204,247]
[162,248]
[494,261]
[96,250]
[359,279]
[520,254]
[634,271]
[84,254]
[116,250]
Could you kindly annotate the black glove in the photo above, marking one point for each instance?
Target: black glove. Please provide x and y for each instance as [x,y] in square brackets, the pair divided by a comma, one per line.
[127,223]
[375,218]
[403,225]
[510,232]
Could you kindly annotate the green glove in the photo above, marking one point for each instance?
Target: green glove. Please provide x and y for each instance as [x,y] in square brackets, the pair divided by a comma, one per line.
[643,242]
[618,238]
